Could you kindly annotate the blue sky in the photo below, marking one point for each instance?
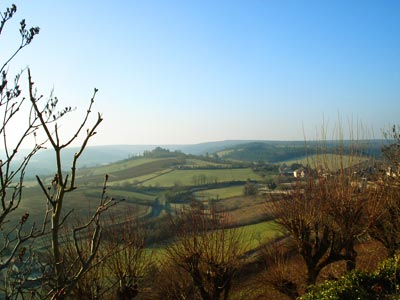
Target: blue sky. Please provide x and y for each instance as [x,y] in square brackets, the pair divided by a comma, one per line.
[182,72]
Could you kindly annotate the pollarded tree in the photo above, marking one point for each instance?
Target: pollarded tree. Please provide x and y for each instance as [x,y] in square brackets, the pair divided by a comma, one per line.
[207,252]
[128,263]
[300,214]
[326,213]
[386,228]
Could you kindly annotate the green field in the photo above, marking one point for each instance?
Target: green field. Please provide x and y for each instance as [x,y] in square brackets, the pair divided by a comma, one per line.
[251,236]
[82,202]
[118,166]
[198,163]
[186,177]
[225,152]
[140,179]
[221,193]
[255,234]
[155,172]
[128,170]
[329,161]
[122,194]
[162,172]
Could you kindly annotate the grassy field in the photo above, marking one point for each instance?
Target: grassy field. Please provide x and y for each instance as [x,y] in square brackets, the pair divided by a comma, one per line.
[82,202]
[186,177]
[256,234]
[146,171]
[198,163]
[251,236]
[330,161]
[129,171]
[140,179]
[224,152]
[118,166]
[119,194]
[221,193]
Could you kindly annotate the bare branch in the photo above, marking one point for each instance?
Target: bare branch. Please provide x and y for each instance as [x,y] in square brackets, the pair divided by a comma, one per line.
[84,123]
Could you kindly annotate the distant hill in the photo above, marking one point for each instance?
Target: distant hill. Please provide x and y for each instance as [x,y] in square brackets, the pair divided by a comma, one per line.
[243,150]
[279,151]
[271,152]
[44,163]
[208,147]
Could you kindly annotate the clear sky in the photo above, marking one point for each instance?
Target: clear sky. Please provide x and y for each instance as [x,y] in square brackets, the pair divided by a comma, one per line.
[182,72]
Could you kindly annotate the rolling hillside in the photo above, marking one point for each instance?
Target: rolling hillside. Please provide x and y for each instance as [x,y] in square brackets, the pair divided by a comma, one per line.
[142,181]
[161,183]
[248,151]
[281,151]
[148,182]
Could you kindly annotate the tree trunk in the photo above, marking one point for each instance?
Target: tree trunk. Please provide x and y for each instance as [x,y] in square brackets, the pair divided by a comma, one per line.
[351,256]
[312,274]
[55,227]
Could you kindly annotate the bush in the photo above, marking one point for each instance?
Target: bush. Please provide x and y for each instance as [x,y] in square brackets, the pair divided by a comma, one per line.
[381,284]
[250,188]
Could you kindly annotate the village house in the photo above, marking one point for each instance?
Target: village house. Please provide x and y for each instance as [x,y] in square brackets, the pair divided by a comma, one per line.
[299,173]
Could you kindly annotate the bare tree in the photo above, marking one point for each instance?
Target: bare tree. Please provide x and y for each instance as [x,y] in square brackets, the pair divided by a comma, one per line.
[174,283]
[300,215]
[207,251]
[328,212]
[41,129]
[63,184]
[128,262]
[90,285]
[12,171]
[386,228]
[68,267]
[281,272]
